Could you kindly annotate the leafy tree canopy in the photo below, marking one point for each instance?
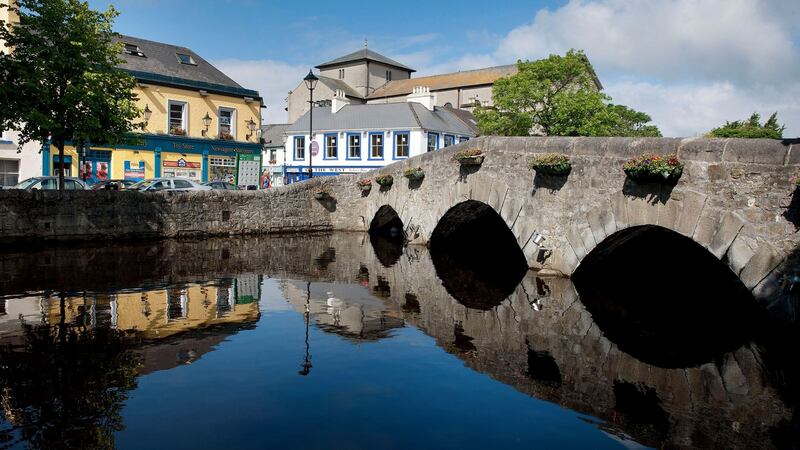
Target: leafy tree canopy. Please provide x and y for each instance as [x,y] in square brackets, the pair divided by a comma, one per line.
[558,96]
[751,128]
[60,79]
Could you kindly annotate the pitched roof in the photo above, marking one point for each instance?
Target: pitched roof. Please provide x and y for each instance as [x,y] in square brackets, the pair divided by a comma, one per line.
[383,116]
[335,84]
[274,134]
[365,55]
[445,81]
[160,63]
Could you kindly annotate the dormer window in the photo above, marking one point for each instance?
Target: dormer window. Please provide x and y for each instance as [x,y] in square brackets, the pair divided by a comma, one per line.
[131,49]
[341,74]
[186,59]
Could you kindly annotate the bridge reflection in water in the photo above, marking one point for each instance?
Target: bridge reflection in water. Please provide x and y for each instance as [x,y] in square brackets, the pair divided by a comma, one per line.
[628,354]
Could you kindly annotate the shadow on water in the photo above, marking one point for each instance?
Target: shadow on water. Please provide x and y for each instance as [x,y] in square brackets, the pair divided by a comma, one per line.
[476,256]
[666,300]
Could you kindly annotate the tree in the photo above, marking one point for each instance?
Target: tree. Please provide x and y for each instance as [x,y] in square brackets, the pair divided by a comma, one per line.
[558,96]
[60,79]
[751,128]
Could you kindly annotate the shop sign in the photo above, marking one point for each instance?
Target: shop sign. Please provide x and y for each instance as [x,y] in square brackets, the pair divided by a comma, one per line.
[332,169]
[135,173]
[182,146]
[182,163]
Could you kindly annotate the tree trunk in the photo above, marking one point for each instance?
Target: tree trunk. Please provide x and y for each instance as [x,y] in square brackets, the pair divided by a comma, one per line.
[60,146]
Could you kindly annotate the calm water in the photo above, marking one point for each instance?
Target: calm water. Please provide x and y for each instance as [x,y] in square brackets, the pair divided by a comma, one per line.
[340,341]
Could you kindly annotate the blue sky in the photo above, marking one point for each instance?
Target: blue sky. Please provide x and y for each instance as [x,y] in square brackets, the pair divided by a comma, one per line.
[690,64]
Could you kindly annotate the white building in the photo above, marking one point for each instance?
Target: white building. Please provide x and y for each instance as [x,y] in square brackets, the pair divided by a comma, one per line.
[15,164]
[359,138]
[274,154]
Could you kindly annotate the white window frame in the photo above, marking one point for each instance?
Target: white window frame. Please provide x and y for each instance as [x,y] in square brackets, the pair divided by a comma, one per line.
[184,118]
[372,146]
[302,147]
[233,120]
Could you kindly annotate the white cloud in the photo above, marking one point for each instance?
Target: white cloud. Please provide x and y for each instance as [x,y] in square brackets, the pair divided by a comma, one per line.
[272,79]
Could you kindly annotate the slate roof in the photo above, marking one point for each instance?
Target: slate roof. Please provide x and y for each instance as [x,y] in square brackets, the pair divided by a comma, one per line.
[365,55]
[160,63]
[382,117]
[445,81]
[335,84]
[274,134]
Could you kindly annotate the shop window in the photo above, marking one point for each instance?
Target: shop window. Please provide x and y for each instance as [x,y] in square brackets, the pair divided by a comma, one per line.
[300,148]
[354,146]
[177,118]
[227,119]
[222,168]
[376,146]
[331,146]
[433,142]
[449,140]
[401,143]
[9,172]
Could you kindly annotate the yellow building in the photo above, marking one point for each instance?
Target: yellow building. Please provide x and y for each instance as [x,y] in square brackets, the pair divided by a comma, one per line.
[199,123]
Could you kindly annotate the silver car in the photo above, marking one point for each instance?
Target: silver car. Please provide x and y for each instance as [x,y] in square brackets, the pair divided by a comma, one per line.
[168,184]
[50,184]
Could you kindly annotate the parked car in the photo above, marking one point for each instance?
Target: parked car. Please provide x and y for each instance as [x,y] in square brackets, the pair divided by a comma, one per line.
[168,184]
[50,184]
[112,185]
[222,186]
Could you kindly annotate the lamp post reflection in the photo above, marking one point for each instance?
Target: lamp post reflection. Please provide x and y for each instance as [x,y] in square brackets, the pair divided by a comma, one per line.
[306,366]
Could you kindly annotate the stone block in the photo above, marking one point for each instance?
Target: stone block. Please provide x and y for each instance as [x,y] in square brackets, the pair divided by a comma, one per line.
[759,151]
[575,238]
[739,254]
[700,149]
[641,212]
[511,209]
[590,146]
[497,195]
[692,207]
[707,226]
[523,230]
[764,261]
[727,231]
[669,212]
[597,224]
[620,210]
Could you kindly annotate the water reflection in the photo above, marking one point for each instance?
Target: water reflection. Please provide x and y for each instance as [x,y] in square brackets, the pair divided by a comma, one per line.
[536,335]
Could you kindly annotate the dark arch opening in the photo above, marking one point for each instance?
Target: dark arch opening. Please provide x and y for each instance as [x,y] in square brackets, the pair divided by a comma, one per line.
[665,300]
[386,235]
[476,256]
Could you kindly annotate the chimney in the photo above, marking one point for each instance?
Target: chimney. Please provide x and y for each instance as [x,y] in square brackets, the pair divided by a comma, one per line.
[422,95]
[339,101]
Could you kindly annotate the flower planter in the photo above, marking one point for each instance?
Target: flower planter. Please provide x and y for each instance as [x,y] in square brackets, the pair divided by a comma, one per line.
[322,195]
[476,160]
[650,168]
[414,174]
[553,170]
[365,187]
[385,180]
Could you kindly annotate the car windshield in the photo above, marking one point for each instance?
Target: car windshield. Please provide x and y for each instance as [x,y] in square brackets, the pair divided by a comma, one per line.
[27,183]
[142,185]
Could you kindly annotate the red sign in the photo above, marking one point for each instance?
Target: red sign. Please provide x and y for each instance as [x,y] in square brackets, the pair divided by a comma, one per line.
[182,163]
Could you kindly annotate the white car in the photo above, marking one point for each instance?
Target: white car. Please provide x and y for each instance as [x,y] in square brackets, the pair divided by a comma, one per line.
[168,184]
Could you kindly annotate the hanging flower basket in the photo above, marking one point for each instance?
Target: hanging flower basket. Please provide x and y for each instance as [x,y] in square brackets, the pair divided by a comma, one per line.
[552,164]
[472,157]
[322,193]
[414,173]
[365,185]
[384,180]
[226,136]
[652,168]
[177,131]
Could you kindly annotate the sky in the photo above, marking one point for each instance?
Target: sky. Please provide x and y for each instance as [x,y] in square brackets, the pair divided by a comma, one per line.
[690,64]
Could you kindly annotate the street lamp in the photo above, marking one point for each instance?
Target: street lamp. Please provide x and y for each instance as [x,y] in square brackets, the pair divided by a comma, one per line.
[251,125]
[207,123]
[147,114]
[311,83]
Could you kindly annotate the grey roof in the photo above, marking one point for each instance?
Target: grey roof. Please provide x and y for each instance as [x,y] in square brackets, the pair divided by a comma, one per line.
[383,116]
[335,84]
[161,59]
[365,55]
[274,134]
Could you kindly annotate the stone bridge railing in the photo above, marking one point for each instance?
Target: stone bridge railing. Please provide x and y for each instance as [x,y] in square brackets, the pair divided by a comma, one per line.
[735,199]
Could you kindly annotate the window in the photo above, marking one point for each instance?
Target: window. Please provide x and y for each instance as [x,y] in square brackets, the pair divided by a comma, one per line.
[71,185]
[449,140]
[353,146]
[376,146]
[464,139]
[185,59]
[134,50]
[331,146]
[401,145]
[433,142]
[273,156]
[300,147]
[182,184]
[227,118]
[9,172]
[177,118]
[161,185]
[49,184]
[388,75]
[341,74]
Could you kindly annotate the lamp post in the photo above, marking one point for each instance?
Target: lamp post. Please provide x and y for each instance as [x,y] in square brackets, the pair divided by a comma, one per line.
[251,126]
[311,83]
[207,123]
[147,114]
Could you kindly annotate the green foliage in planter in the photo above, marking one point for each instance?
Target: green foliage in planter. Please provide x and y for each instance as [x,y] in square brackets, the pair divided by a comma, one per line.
[364,184]
[414,173]
[322,192]
[652,168]
[553,164]
[384,180]
[469,157]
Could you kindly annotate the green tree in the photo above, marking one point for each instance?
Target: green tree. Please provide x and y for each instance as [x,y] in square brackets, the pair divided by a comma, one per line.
[60,79]
[751,128]
[558,96]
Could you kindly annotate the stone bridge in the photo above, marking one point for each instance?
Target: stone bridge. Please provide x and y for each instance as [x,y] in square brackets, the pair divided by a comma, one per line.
[735,198]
